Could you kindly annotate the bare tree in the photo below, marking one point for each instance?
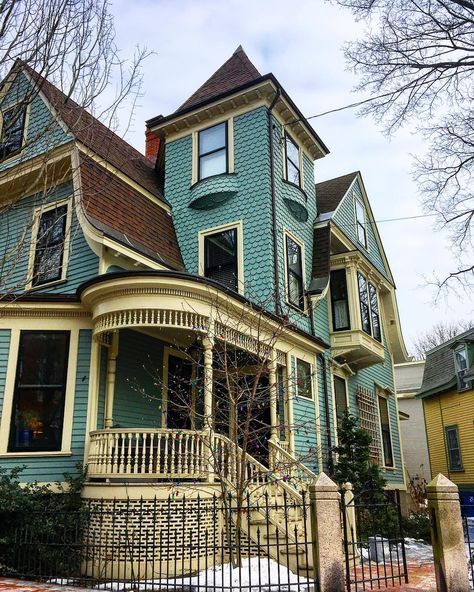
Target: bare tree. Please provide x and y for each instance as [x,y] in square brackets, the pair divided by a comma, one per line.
[438,334]
[416,61]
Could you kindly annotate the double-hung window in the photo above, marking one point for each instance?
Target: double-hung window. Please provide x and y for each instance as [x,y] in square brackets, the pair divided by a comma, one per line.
[339,300]
[340,396]
[212,150]
[48,264]
[360,218]
[294,268]
[13,127]
[40,391]
[460,360]
[453,447]
[304,377]
[386,433]
[292,160]
[221,257]
[369,308]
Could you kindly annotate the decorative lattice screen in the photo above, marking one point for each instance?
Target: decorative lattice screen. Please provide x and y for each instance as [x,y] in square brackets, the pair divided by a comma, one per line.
[369,420]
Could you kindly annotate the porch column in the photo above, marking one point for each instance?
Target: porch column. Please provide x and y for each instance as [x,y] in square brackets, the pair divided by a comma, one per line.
[272,379]
[208,344]
[289,389]
[110,381]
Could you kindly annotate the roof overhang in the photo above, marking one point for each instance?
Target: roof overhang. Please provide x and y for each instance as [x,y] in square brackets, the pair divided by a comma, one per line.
[262,91]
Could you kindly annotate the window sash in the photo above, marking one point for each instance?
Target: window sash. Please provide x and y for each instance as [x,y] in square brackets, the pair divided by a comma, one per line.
[304,386]
[364,304]
[374,312]
[295,284]
[454,448]
[225,272]
[360,218]
[340,396]
[386,432]
[50,247]
[13,128]
[290,163]
[369,308]
[23,439]
[339,301]
[220,149]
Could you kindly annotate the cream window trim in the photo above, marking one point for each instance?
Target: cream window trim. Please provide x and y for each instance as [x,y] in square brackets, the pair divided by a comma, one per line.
[385,394]
[25,131]
[230,146]
[313,381]
[53,325]
[300,243]
[239,226]
[300,158]
[37,213]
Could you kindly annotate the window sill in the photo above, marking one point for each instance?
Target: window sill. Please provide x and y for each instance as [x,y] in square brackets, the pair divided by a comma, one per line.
[35,454]
[391,469]
[48,285]
[199,181]
[457,470]
[296,187]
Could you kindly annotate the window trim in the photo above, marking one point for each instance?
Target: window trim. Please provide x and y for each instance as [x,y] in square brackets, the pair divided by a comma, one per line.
[287,136]
[448,457]
[238,225]
[367,283]
[331,300]
[13,355]
[311,382]
[25,130]
[358,200]
[304,309]
[383,394]
[37,213]
[461,347]
[195,173]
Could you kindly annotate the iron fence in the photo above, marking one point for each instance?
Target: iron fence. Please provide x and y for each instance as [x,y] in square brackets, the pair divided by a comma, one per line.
[200,543]
[373,538]
[467,511]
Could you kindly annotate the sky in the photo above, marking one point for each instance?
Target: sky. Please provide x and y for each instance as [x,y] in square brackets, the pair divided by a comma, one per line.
[301,43]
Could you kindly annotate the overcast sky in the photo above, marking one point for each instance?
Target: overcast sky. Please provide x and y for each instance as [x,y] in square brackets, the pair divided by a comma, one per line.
[300,42]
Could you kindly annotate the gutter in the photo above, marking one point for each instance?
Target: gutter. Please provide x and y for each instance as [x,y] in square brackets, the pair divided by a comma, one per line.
[273,202]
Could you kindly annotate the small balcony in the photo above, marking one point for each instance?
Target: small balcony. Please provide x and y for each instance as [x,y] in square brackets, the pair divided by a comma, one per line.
[357,348]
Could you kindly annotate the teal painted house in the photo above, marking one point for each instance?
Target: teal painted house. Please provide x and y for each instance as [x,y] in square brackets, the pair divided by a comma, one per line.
[161,311]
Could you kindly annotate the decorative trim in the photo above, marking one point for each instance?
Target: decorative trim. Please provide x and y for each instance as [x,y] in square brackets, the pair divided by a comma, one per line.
[56,314]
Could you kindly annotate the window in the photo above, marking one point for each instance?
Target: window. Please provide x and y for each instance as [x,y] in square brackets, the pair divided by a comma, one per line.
[369,308]
[340,396]
[49,248]
[40,390]
[386,433]
[304,386]
[460,360]
[13,126]
[339,301]
[294,269]
[454,448]
[220,257]
[292,159]
[360,217]
[212,150]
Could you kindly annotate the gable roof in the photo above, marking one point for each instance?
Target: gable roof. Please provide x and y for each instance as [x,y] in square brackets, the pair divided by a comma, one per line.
[235,72]
[440,372]
[329,193]
[98,137]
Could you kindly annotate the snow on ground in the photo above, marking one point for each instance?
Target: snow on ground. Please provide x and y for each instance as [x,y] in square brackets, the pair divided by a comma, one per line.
[257,573]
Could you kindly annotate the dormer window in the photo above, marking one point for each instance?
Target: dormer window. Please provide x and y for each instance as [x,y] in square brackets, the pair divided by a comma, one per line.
[12,132]
[212,151]
[292,158]
[460,361]
[360,218]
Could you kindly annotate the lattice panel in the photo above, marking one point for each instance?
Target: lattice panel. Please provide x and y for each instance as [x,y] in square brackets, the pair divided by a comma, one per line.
[369,421]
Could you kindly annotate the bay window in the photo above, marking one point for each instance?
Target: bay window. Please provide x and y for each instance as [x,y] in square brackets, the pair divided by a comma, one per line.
[369,308]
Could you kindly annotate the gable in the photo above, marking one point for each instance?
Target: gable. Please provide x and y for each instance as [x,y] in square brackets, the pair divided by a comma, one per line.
[345,218]
[43,132]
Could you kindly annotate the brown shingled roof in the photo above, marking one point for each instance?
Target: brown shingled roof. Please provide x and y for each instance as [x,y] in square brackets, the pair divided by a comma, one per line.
[98,137]
[236,71]
[330,193]
[127,216]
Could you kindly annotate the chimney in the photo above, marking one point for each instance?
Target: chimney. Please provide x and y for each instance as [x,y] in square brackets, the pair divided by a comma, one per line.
[152,145]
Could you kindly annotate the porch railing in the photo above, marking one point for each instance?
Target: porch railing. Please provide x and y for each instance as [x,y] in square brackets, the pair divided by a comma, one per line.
[147,454]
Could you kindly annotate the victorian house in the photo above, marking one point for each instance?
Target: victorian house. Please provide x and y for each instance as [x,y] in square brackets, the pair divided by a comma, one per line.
[124,277]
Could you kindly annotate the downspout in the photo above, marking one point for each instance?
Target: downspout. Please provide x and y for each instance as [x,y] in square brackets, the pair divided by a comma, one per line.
[326,408]
[273,202]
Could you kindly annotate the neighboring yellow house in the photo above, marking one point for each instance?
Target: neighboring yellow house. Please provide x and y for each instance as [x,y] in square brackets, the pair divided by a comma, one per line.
[447,392]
